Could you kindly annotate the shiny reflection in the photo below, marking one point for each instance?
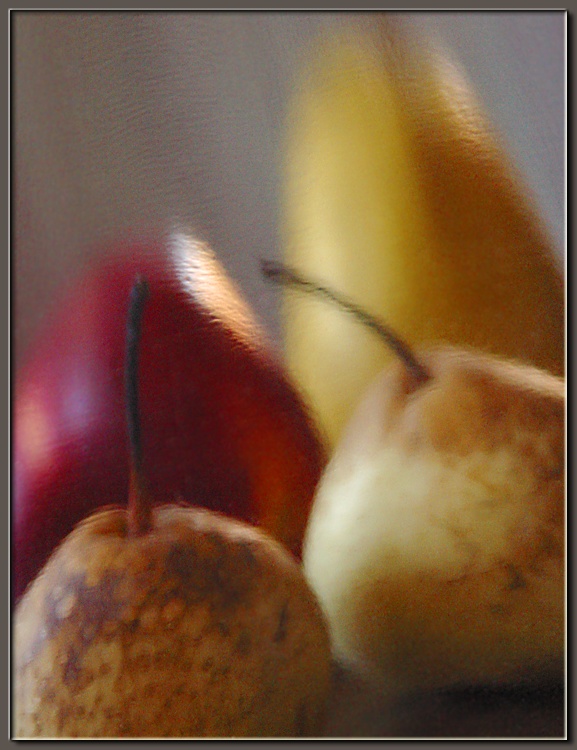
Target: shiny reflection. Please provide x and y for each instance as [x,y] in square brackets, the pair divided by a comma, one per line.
[199,274]
[34,433]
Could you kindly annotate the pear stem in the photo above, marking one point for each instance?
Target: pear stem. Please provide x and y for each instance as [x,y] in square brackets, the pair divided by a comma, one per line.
[281,274]
[139,501]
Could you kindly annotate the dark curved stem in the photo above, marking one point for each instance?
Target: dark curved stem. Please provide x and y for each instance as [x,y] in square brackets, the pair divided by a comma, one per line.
[281,274]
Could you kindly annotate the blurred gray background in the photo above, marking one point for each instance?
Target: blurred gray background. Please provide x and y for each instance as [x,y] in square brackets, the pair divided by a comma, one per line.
[125,120]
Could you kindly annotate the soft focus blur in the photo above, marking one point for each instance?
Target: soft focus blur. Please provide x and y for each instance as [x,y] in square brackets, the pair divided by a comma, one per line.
[128,120]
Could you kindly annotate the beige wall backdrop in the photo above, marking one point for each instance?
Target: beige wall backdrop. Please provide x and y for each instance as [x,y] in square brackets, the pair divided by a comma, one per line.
[124,120]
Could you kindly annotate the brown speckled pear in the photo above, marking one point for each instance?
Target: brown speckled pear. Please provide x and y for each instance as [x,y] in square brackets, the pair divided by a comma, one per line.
[201,627]
[436,539]
[167,621]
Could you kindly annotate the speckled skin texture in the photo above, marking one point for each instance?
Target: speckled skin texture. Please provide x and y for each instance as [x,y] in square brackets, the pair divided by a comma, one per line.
[202,627]
[436,543]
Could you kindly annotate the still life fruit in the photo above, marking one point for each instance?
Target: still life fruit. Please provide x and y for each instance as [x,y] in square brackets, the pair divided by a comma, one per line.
[436,541]
[168,621]
[223,426]
[392,503]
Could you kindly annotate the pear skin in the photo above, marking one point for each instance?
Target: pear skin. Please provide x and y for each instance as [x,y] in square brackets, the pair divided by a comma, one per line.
[436,542]
[202,627]
[398,192]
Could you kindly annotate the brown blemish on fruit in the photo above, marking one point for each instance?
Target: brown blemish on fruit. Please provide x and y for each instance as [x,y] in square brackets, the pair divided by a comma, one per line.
[109,713]
[516,580]
[64,713]
[485,404]
[72,667]
[181,561]
[200,576]
[149,690]
[550,473]
[132,626]
[243,643]
[245,552]
[550,546]
[172,611]
[91,610]
[281,630]
[149,617]
[97,603]
[109,628]
[301,720]
[207,664]
[166,659]
[141,662]
[200,726]
[84,679]
[129,616]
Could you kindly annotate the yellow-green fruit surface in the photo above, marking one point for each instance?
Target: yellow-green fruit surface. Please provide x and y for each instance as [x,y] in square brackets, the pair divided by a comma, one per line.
[398,194]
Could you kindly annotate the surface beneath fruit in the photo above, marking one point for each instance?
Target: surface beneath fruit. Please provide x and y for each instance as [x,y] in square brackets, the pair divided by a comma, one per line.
[360,709]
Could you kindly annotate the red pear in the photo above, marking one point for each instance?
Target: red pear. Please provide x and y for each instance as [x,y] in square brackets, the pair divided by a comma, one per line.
[222,425]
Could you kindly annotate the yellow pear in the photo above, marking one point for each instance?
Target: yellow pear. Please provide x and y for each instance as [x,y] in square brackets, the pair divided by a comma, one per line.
[436,540]
[398,192]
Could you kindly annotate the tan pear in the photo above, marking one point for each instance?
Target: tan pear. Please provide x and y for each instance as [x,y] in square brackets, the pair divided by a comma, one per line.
[436,541]
[201,627]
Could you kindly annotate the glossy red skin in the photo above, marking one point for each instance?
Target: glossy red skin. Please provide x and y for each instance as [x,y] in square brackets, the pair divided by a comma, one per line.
[222,426]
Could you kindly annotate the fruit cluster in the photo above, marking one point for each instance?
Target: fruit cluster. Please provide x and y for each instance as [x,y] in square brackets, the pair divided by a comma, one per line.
[222,426]
[199,573]
[161,618]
